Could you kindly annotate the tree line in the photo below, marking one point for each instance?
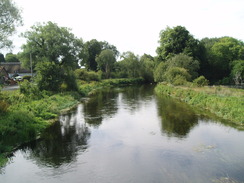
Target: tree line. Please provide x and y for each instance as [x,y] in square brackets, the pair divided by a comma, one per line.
[56,53]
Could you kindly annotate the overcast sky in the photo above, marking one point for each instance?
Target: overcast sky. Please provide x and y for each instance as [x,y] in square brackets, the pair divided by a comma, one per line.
[134,25]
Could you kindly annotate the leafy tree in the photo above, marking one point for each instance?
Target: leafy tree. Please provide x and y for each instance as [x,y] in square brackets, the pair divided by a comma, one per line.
[183,61]
[147,67]
[130,64]
[237,71]
[221,52]
[92,49]
[105,61]
[177,40]
[49,76]
[10,57]
[159,73]
[2,59]
[55,44]
[10,18]
[107,46]
[201,81]
[177,75]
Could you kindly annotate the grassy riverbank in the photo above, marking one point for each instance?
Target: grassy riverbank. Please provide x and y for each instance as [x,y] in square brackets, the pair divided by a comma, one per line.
[23,117]
[227,103]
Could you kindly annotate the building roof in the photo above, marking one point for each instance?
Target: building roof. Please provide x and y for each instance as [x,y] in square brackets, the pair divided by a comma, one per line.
[13,67]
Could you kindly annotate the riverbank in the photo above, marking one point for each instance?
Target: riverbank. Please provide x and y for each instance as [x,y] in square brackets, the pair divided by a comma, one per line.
[24,117]
[227,103]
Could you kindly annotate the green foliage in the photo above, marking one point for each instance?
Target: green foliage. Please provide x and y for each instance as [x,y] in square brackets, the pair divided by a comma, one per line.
[147,67]
[184,61]
[237,71]
[2,59]
[49,76]
[129,66]
[29,89]
[10,57]
[10,17]
[83,74]
[105,61]
[221,52]
[177,75]
[229,107]
[159,73]
[3,107]
[28,78]
[177,40]
[200,81]
[27,117]
[88,88]
[49,42]
[92,49]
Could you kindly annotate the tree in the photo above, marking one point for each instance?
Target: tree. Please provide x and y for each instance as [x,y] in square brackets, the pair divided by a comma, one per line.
[10,18]
[130,64]
[105,61]
[10,57]
[221,52]
[2,59]
[49,76]
[177,76]
[92,49]
[159,73]
[55,44]
[183,61]
[147,67]
[237,71]
[177,40]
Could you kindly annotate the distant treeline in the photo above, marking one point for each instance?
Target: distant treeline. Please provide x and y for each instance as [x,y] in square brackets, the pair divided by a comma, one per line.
[56,53]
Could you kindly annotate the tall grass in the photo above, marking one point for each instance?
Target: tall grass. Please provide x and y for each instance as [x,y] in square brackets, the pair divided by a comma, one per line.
[23,119]
[224,102]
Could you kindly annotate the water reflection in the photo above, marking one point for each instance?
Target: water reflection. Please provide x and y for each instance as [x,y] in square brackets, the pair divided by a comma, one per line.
[61,142]
[102,105]
[177,118]
[133,96]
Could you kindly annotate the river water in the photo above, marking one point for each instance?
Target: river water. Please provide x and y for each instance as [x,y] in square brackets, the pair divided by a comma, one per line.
[130,135]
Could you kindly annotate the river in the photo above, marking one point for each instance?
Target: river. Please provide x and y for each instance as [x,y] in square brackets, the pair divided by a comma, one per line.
[130,135]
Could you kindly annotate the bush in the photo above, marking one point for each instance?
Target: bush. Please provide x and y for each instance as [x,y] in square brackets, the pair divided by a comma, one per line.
[3,106]
[29,89]
[200,81]
[27,78]
[175,73]
[179,80]
[159,73]
[85,75]
[49,76]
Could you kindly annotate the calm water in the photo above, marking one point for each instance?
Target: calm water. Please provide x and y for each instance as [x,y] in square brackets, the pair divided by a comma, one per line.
[131,135]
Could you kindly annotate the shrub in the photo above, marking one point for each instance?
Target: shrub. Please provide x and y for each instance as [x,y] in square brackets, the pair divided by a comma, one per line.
[27,78]
[85,75]
[49,76]
[29,89]
[200,81]
[175,73]
[3,106]
[179,80]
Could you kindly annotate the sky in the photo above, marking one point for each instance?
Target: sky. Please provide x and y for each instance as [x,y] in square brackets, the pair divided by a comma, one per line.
[134,25]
